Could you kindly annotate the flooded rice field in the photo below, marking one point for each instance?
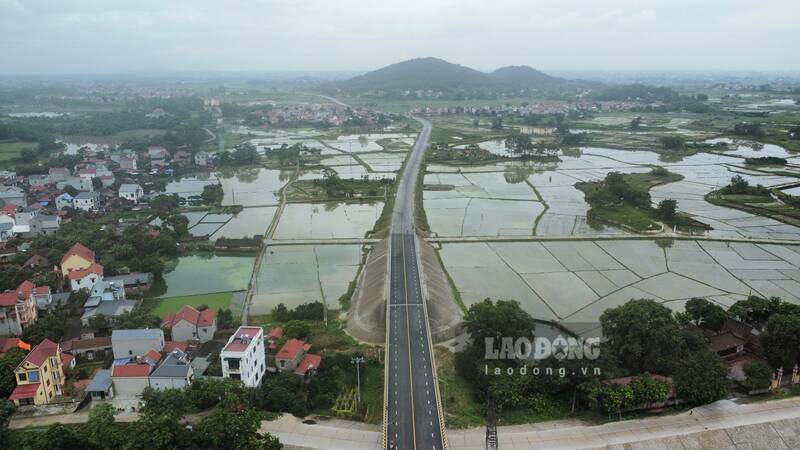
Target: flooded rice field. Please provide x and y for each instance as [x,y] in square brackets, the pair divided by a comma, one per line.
[577,280]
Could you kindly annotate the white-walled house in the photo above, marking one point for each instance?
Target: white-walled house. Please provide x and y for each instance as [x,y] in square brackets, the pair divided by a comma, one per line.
[189,324]
[87,278]
[87,201]
[243,357]
[131,192]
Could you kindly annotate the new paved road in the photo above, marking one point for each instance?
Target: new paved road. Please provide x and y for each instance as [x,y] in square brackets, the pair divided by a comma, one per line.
[413,413]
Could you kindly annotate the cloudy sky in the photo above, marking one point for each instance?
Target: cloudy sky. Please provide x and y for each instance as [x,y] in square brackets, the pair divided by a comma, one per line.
[112,36]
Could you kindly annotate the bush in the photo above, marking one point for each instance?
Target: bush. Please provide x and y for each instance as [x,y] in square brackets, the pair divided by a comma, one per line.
[758,375]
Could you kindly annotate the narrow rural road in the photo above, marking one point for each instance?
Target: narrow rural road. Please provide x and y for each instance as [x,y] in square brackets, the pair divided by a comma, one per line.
[412,407]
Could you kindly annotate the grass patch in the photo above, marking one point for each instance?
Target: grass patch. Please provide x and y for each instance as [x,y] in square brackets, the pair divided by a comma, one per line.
[344,190]
[460,408]
[760,205]
[162,306]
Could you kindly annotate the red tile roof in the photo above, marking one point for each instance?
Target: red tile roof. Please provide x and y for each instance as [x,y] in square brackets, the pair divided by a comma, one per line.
[24,289]
[237,345]
[41,352]
[131,370]
[291,348]
[82,344]
[169,346]
[275,333]
[8,299]
[308,362]
[9,209]
[80,274]
[80,250]
[152,355]
[6,344]
[203,318]
[66,359]
[24,391]
[41,290]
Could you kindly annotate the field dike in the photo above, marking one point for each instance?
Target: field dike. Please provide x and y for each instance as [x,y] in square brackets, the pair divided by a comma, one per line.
[366,318]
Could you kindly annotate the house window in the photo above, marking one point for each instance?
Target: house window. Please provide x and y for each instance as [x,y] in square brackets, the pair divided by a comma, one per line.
[33,376]
[48,383]
[22,376]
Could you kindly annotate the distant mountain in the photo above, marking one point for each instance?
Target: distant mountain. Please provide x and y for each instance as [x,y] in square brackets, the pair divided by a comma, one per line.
[524,76]
[439,75]
[420,73]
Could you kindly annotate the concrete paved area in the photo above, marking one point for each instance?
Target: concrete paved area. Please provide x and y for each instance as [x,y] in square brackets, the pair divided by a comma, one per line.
[724,424]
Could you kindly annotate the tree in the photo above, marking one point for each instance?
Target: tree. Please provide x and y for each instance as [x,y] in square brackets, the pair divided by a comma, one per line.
[758,375]
[497,123]
[644,335]
[224,318]
[212,194]
[100,429]
[296,329]
[702,97]
[97,184]
[8,362]
[50,327]
[781,340]
[648,390]
[636,122]
[756,310]
[701,377]
[705,314]
[674,143]
[667,210]
[229,430]
[494,319]
[245,153]
[7,409]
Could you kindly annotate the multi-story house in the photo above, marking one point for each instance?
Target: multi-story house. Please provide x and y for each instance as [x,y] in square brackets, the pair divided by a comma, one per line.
[86,278]
[40,376]
[87,201]
[78,257]
[17,310]
[294,357]
[243,357]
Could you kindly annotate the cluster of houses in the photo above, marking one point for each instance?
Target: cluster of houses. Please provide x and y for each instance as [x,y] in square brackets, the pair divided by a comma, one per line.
[318,113]
[107,295]
[143,358]
[38,204]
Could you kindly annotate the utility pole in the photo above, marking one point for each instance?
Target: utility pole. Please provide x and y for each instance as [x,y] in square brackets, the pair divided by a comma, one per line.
[358,360]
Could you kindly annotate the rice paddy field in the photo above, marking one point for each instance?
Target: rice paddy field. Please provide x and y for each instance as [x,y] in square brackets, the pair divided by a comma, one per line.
[575,281]
[296,274]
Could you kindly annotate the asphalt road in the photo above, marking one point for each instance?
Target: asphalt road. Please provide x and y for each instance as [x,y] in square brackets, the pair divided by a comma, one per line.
[413,410]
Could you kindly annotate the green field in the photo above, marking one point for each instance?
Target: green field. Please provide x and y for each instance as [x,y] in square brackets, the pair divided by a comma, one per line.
[161,306]
[11,149]
[117,138]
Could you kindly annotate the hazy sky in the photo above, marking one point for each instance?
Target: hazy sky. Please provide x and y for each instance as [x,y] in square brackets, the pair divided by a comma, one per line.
[101,36]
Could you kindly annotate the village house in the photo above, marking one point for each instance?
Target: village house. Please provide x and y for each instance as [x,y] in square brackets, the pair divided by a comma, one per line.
[174,372]
[78,183]
[44,225]
[64,201]
[57,174]
[86,278]
[131,192]
[135,343]
[38,180]
[130,379]
[101,387]
[189,324]
[128,164]
[12,195]
[201,158]
[243,357]
[78,257]
[87,349]
[40,376]
[17,310]
[108,309]
[134,282]
[294,357]
[87,201]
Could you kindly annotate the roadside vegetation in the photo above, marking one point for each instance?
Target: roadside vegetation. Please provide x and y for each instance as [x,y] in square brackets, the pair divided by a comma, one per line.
[759,200]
